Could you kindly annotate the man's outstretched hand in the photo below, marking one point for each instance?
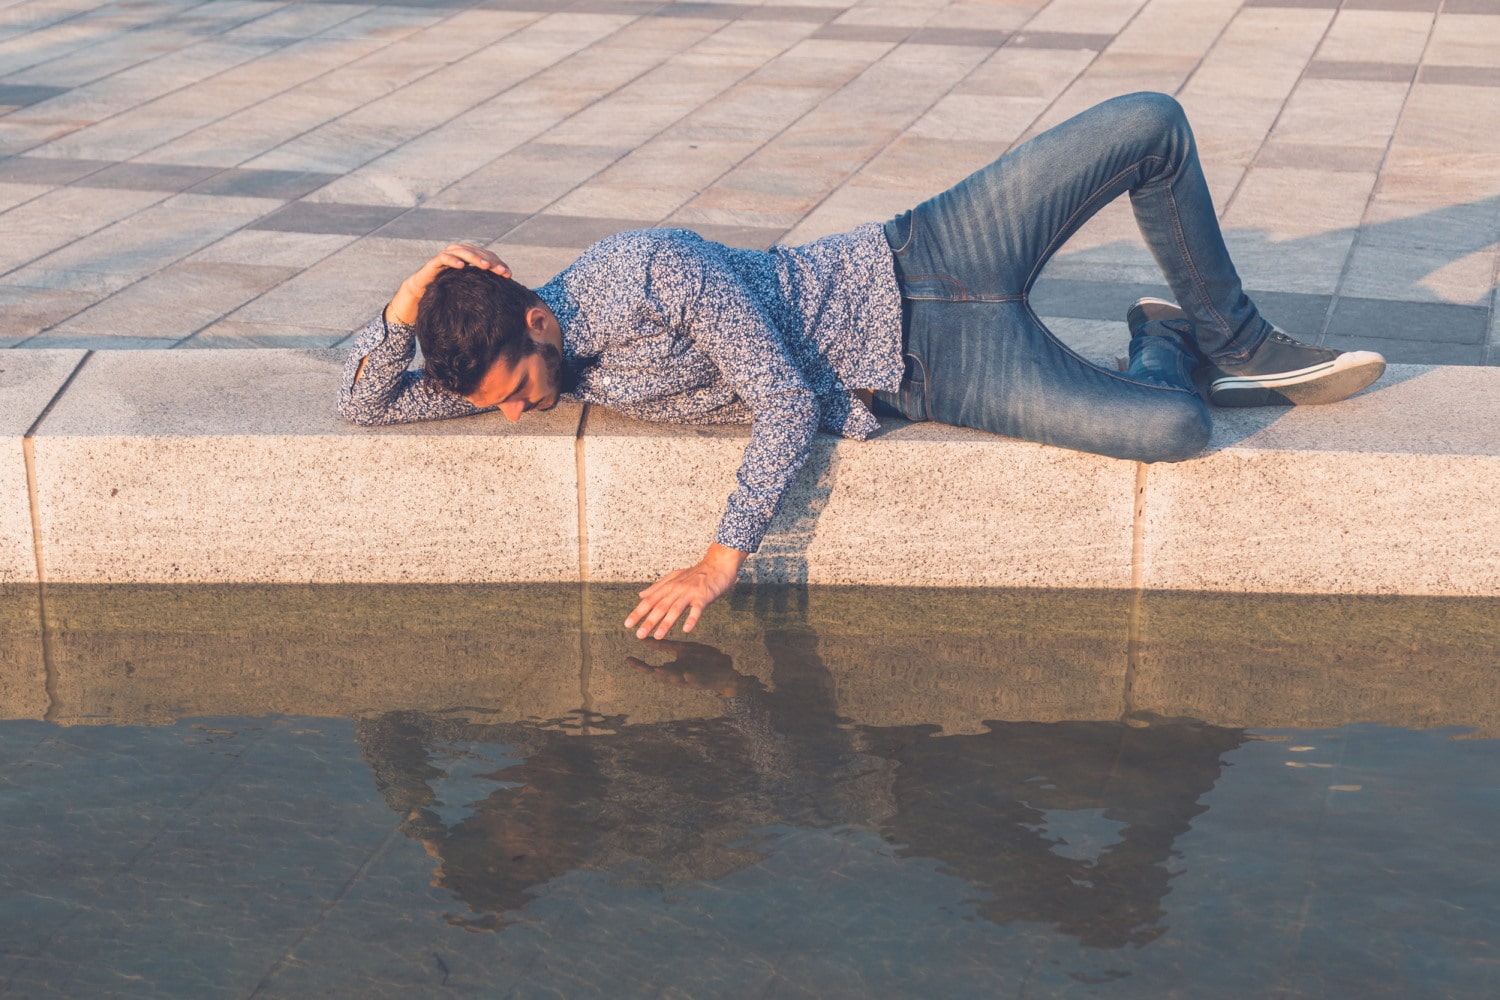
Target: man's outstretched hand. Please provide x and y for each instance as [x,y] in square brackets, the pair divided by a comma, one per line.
[403,307]
[690,590]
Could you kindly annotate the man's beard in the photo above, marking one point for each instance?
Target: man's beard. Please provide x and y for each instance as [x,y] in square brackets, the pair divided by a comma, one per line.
[562,374]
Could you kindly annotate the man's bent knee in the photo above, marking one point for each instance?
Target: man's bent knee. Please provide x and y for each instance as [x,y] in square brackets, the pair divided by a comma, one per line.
[1180,432]
[1152,112]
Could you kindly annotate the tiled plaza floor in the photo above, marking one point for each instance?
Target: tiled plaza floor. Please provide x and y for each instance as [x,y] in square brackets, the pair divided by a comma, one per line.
[257,173]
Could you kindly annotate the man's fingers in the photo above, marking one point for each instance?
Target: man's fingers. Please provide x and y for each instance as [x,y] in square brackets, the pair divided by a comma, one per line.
[469,255]
[658,608]
[694,611]
[673,613]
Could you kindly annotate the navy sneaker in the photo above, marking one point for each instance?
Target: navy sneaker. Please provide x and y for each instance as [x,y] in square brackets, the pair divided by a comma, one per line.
[1162,349]
[1282,371]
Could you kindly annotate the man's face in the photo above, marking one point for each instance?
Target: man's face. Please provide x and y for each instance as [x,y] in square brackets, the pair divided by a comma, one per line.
[533,383]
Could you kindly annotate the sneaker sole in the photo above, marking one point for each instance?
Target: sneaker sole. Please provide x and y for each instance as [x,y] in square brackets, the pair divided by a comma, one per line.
[1325,383]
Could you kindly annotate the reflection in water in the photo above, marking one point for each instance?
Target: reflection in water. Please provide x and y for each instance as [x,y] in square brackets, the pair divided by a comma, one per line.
[1066,824]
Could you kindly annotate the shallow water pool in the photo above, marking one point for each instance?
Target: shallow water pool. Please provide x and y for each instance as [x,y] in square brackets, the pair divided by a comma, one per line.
[368,792]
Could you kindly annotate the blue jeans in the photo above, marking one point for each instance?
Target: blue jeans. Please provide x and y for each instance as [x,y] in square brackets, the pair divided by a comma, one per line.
[976,353]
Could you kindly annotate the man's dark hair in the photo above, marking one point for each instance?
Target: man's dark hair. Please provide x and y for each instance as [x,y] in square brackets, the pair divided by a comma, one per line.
[470,318]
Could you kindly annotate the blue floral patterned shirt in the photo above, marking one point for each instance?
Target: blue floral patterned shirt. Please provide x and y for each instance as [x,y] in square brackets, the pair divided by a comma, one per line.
[664,325]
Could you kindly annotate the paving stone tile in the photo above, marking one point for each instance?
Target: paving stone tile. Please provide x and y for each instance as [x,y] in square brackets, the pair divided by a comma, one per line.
[1041,73]
[1441,117]
[1376,36]
[245,209]
[47,169]
[177,300]
[1461,76]
[20,95]
[59,217]
[533,266]
[1193,26]
[450,226]
[787,12]
[993,17]
[1310,4]
[147,177]
[1106,16]
[1436,178]
[1415,321]
[1471,7]
[1100,340]
[914,162]
[1060,40]
[234,334]
[697,214]
[1093,300]
[886,16]
[140,245]
[1418,5]
[326,217]
[1414,352]
[745,237]
[1309,265]
[1299,314]
[313,299]
[1315,156]
[283,184]
[1260,56]
[852,205]
[1424,274]
[571,231]
[1331,69]
[1285,203]
[992,119]
[1464,40]
[733,11]
[960,36]
[1341,112]
[84,283]
[1460,228]
[25,311]
[48,340]
[862,33]
[527,179]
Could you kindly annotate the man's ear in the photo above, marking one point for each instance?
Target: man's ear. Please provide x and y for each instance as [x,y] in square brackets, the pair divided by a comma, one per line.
[536,320]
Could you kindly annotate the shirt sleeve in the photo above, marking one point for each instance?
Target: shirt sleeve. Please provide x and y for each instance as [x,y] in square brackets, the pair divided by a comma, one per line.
[699,295]
[385,392]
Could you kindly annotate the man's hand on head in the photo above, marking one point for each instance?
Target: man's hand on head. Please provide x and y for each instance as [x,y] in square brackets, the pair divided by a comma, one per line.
[403,306]
[690,590]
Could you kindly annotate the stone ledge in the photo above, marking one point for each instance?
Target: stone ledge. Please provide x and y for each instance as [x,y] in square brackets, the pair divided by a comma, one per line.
[229,466]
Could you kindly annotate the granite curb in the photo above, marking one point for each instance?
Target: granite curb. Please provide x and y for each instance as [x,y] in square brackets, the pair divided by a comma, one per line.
[223,466]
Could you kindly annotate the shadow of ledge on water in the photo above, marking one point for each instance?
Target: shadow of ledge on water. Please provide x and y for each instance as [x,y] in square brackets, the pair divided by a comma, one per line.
[949,658]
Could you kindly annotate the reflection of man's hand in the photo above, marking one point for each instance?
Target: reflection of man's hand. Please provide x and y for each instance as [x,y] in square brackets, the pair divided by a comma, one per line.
[695,665]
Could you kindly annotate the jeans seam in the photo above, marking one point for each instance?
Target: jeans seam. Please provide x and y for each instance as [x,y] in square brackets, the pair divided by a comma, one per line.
[1193,273]
[911,233]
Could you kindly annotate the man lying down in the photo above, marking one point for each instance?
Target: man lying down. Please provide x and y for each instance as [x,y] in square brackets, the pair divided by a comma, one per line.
[924,317]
